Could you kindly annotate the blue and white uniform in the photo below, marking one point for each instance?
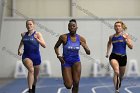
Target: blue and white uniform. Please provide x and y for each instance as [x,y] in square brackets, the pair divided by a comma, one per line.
[119,50]
[119,45]
[71,51]
[31,49]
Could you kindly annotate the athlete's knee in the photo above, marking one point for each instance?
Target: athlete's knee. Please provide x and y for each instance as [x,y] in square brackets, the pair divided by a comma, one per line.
[31,70]
[68,85]
[116,72]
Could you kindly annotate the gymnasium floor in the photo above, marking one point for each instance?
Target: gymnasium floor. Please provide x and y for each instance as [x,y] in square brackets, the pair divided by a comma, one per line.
[87,85]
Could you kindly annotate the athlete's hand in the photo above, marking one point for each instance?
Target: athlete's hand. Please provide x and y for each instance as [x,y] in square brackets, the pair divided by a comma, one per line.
[19,52]
[36,37]
[61,59]
[125,36]
[106,56]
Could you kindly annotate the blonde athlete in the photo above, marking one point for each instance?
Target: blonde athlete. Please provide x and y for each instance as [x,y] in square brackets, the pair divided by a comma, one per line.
[118,57]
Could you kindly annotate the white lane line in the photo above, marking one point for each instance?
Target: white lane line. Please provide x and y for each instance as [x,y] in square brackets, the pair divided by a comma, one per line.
[25,90]
[82,85]
[127,88]
[60,89]
[102,84]
[93,89]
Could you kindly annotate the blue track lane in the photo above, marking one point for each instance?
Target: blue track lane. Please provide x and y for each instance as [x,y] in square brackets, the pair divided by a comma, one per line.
[87,85]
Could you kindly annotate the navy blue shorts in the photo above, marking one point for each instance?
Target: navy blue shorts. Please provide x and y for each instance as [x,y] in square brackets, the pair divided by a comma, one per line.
[36,59]
[70,62]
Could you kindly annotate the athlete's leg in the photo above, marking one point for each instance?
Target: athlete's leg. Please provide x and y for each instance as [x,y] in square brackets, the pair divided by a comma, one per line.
[123,62]
[67,77]
[76,74]
[115,66]
[122,71]
[36,73]
[29,65]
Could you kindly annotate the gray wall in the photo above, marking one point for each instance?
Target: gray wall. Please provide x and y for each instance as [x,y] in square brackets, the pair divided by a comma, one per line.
[1,14]
[95,31]
[61,8]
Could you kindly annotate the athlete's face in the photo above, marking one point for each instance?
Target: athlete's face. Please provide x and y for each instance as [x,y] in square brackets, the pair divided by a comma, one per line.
[30,25]
[72,27]
[118,27]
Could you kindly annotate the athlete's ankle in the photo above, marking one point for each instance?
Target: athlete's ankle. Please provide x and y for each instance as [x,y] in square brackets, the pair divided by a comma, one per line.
[30,91]
[116,91]
[33,88]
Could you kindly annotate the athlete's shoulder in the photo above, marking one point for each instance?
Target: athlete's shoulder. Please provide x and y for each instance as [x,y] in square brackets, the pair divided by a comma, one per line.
[82,38]
[22,34]
[38,33]
[111,36]
[63,36]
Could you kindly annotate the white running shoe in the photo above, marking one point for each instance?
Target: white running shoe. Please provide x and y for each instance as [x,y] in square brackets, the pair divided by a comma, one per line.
[117,91]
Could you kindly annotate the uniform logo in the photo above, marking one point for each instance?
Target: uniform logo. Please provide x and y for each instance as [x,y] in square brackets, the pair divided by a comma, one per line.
[73,48]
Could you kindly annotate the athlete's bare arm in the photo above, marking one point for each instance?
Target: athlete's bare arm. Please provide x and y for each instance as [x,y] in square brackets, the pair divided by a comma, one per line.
[62,39]
[84,45]
[109,44]
[128,40]
[20,45]
[39,38]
